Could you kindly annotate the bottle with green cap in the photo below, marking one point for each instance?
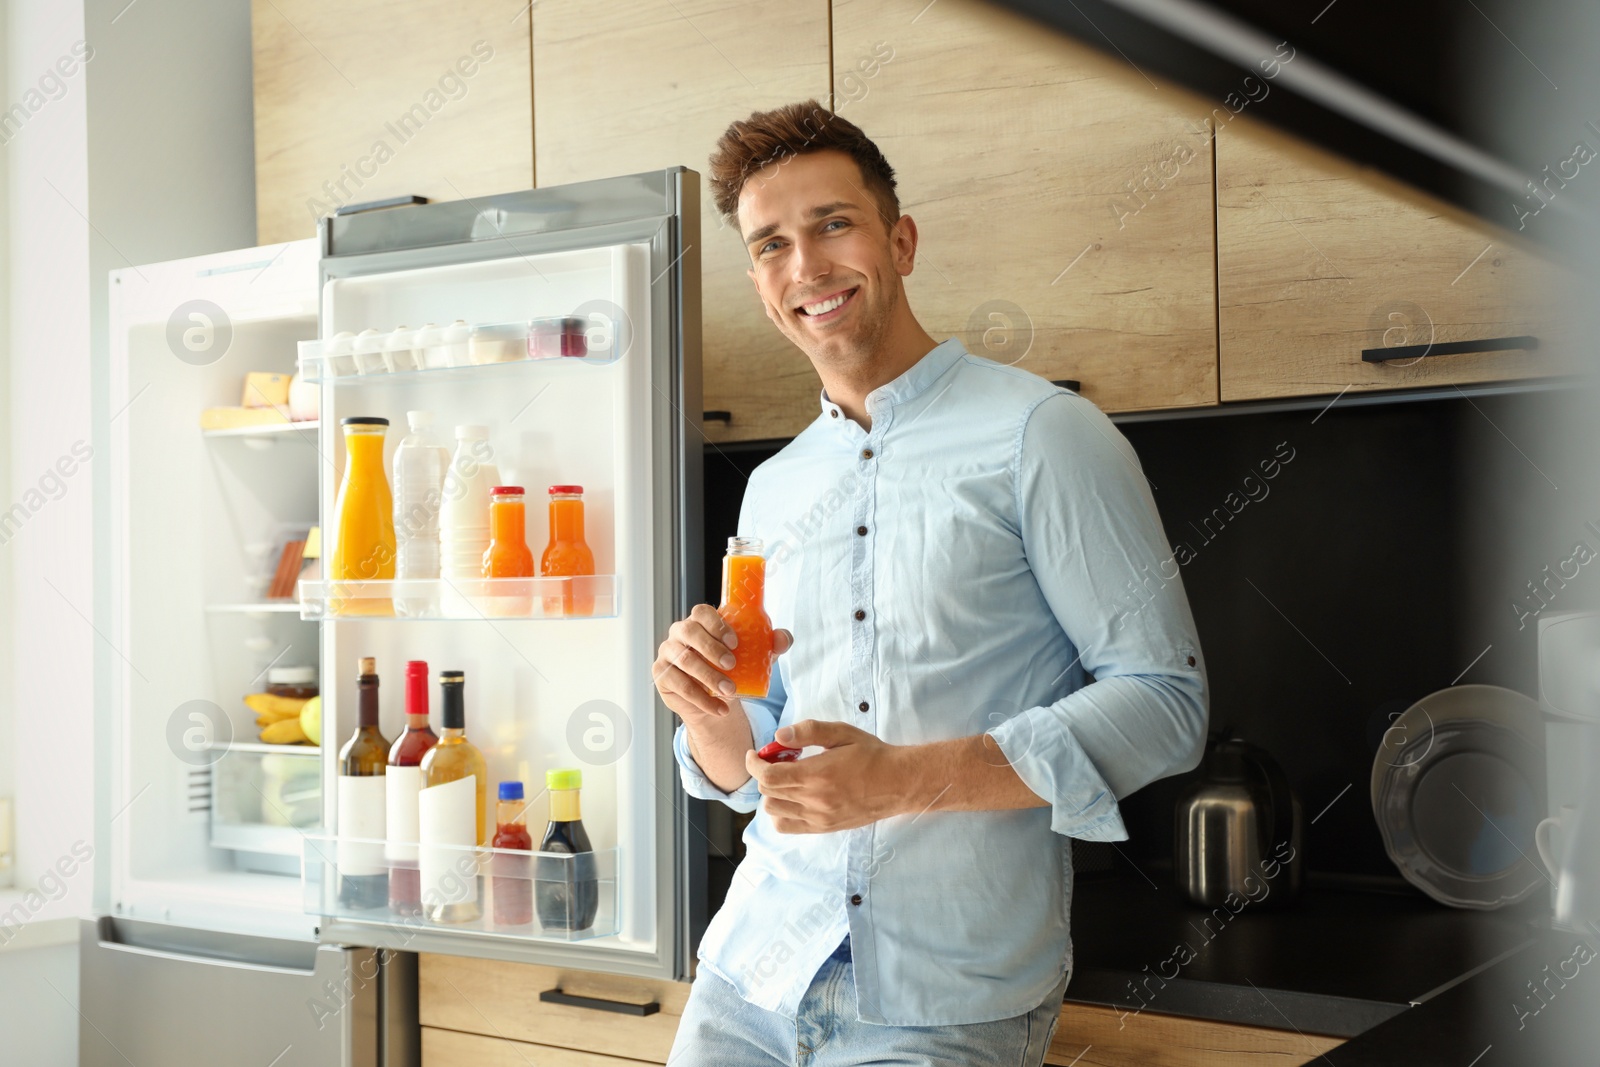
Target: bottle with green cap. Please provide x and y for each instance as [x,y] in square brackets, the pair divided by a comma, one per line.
[567,891]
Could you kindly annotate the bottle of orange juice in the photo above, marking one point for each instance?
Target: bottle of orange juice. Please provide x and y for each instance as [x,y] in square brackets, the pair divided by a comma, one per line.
[364,546]
[508,555]
[744,579]
[567,555]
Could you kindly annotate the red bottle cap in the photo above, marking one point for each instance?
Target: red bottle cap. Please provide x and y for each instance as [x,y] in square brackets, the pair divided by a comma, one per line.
[574,489]
[506,489]
[778,752]
[416,687]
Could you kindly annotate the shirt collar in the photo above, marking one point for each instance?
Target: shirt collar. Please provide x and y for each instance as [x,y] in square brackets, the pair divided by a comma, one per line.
[910,384]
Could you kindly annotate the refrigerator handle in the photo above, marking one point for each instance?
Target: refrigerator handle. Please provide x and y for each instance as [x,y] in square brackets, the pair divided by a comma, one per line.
[106,935]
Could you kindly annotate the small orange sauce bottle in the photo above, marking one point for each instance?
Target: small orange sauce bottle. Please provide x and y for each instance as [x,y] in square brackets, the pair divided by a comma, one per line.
[567,555]
[508,554]
[744,577]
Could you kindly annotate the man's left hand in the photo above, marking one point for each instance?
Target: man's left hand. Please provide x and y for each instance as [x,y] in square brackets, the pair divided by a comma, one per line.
[858,780]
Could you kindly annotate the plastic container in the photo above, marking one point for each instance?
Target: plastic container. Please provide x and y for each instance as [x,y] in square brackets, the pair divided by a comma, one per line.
[338,358]
[294,683]
[504,343]
[456,340]
[464,518]
[368,348]
[419,466]
[553,338]
[430,347]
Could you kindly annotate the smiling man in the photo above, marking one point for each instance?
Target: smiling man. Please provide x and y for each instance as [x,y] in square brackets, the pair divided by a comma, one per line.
[985,643]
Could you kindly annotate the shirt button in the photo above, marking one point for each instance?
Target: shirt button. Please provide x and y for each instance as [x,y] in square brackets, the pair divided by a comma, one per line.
[834,413]
[860,615]
[866,453]
[863,706]
[856,899]
[862,530]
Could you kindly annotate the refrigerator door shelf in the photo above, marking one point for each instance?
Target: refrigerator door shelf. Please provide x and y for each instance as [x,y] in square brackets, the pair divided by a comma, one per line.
[592,596]
[596,338]
[504,894]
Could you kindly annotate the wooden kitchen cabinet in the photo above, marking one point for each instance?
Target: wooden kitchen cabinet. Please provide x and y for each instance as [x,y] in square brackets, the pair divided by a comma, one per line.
[635,85]
[1064,202]
[368,99]
[1319,259]
[498,1005]
[1089,1036]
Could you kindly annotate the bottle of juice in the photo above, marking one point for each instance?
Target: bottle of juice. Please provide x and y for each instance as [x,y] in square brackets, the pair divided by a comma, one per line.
[402,784]
[513,890]
[567,891]
[567,554]
[743,590]
[363,547]
[450,812]
[508,554]
[363,879]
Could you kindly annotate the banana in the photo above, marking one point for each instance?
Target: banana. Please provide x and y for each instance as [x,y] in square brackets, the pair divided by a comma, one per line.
[287,732]
[271,704]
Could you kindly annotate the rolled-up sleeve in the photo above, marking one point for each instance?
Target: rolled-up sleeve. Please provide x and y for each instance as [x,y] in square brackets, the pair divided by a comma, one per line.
[1095,543]
[763,714]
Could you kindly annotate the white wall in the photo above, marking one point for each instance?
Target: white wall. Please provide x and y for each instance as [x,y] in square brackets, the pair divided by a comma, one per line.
[144,153]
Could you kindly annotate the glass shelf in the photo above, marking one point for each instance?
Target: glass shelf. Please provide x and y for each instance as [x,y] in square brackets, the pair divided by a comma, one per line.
[271,429]
[495,892]
[405,353]
[591,596]
[267,606]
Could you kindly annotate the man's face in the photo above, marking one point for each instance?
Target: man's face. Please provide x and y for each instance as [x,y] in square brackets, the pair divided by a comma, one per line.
[824,259]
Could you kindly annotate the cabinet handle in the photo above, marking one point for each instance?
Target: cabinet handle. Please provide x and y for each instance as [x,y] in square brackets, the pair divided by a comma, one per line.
[717,416]
[1070,383]
[1448,348]
[377,205]
[556,996]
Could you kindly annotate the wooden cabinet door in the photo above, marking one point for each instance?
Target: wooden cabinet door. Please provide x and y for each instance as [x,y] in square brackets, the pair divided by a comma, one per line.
[501,1000]
[367,99]
[451,1048]
[634,85]
[1089,1036]
[1318,260]
[1064,201]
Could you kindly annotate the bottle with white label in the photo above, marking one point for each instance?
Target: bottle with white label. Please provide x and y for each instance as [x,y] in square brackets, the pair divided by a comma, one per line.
[402,784]
[419,466]
[363,876]
[450,812]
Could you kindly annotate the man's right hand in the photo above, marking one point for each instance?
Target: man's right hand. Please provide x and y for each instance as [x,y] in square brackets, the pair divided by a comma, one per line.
[689,665]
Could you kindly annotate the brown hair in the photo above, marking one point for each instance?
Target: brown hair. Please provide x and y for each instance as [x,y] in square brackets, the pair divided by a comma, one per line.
[771,138]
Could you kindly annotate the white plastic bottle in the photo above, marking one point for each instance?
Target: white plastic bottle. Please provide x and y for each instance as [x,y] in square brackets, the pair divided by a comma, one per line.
[464,520]
[419,467]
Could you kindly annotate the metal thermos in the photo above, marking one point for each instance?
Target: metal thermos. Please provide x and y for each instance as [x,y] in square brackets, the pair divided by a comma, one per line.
[1238,831]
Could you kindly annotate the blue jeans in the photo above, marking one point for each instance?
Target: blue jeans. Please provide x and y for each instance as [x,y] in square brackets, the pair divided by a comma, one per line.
[719,1029]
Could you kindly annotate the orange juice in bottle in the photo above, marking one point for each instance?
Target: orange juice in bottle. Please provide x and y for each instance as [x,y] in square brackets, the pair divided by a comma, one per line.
[364,546]
[744,579]
[508,554]
[567,554]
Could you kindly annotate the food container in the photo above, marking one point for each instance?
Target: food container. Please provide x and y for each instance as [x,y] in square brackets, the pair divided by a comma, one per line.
[369,353]
[399,350]
[295,683]
[338,357]
[456,339]
[553,338]
[502,343]
[430,347]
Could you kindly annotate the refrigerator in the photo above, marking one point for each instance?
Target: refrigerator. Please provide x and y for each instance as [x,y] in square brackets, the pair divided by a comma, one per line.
[564,320]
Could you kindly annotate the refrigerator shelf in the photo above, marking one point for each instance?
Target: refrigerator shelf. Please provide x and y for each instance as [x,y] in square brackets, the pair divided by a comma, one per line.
[405,353]
[266,607]
[592,596]
[498,893]
[269,430]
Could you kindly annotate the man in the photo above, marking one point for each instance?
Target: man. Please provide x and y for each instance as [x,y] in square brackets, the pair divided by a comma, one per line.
[953,548]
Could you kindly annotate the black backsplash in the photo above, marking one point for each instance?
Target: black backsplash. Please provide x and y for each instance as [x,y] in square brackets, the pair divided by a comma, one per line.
[1373,568]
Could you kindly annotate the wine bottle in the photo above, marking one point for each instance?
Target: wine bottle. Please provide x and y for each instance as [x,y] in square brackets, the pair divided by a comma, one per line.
[567,891]
[403,783]
[451,812]
[363,878]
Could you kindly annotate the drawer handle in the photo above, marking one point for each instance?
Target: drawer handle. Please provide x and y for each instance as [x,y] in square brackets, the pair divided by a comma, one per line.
[1448,348]
[1069,383]
[556,996]
[717,416]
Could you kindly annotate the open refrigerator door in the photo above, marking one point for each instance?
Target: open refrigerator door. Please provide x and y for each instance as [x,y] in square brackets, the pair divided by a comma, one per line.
[560,328]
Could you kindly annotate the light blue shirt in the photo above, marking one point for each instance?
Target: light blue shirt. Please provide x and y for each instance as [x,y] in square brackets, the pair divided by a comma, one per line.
[962,568]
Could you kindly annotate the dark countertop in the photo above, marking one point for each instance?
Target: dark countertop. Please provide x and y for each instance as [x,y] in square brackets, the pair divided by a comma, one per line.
[1340,961]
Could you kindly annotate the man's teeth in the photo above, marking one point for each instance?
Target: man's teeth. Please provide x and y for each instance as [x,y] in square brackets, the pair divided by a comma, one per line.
[826,306]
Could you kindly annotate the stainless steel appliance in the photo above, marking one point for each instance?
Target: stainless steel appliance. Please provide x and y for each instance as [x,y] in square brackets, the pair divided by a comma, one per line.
[1568,839]
[218,936]
[1238,831]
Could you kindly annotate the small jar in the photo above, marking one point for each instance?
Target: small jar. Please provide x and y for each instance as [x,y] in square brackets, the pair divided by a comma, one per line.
[295,683]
